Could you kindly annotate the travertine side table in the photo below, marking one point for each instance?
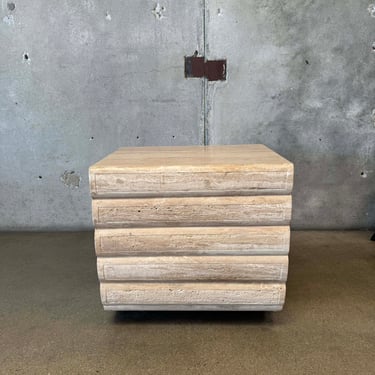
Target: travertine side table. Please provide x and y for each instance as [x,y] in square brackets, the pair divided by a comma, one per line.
[192,228]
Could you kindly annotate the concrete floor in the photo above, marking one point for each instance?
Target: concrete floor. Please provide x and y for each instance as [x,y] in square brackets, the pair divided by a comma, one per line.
[52,322]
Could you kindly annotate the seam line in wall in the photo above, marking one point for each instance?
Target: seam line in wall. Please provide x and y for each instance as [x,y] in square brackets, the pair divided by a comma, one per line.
[205,88]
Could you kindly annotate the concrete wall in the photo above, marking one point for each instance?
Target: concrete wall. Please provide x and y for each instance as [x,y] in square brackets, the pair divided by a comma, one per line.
[79,79]
[302,81]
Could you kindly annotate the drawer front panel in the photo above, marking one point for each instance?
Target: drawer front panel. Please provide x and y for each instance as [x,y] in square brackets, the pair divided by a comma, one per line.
[194,268]
[105,185]
[192,211]
[193,241]
[192,293]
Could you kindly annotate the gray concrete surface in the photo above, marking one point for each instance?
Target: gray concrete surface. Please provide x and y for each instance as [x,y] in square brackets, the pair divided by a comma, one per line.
[52,322]
[98,75]
[79,79]
[302,81]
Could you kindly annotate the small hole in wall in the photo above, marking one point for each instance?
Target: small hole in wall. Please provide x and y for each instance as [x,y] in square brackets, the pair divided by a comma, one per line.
[40,177]
[139,210]
[362,173]
[26,56]
[91,138]
[11,6]
[307,62]
[137,136]
[173,136]
[320,139]
[196,53]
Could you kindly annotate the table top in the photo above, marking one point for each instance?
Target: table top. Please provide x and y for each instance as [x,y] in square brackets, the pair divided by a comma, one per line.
[247,157]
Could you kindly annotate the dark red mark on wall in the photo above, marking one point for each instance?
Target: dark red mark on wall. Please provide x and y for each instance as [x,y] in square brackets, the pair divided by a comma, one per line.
[198,67]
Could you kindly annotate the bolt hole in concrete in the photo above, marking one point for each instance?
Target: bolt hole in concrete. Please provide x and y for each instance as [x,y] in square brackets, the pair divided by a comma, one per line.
[159,11]
[40,177]
[9,19]
[137,136]
[173,136]
[307,62]
[373,46]
[371,9]
[363,174]
[11,6]
[71,179]
[26,56]
[91,138]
